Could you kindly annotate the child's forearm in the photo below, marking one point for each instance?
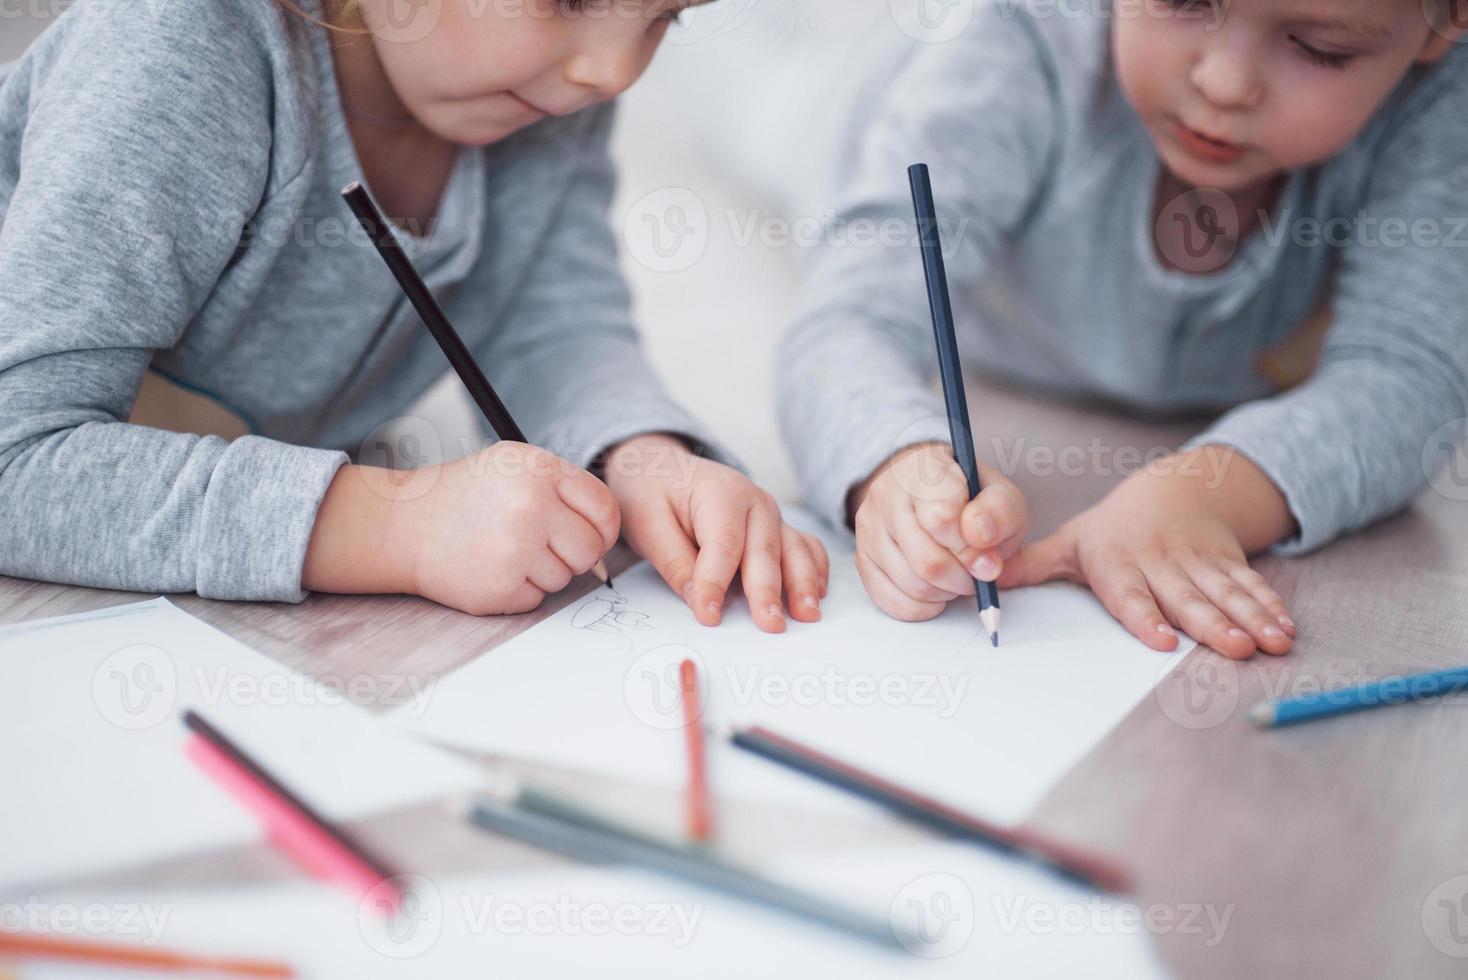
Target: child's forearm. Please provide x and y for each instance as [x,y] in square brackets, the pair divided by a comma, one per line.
[1235,490]
[358,545]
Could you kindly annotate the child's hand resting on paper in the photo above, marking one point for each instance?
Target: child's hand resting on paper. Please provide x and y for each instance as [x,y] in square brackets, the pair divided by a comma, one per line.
[699,522]
[920,540]
[494,532]
[1167,549]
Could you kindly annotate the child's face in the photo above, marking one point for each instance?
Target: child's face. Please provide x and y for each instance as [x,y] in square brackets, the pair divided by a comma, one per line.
[474,71]
[1234,92]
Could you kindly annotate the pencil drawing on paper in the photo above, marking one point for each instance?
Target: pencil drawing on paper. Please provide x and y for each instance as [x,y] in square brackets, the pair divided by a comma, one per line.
[607,612]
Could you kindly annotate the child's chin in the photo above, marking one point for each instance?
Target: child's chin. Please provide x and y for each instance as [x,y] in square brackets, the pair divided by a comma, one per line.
[1228,178]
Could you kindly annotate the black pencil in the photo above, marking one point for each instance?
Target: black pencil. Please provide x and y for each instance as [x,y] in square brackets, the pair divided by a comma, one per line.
[1070,862]
[438,324]
[949,365]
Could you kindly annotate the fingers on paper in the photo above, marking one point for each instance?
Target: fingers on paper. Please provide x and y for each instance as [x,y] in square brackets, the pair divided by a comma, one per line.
[719,533]
[805,570]
[761,568]
[1127,595]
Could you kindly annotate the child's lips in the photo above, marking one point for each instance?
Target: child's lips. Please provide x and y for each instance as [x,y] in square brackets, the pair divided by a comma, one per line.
[529,105]
[1206,146]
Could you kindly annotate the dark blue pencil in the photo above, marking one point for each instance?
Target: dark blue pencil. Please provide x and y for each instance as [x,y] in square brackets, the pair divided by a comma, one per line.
[949,365]
[1378,694]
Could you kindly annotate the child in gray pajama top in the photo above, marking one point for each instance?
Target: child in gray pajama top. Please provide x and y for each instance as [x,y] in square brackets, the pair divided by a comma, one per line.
[169,201]
[1045,179]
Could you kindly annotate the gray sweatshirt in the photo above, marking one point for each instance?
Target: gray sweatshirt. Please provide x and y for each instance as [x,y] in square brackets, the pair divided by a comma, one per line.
[169,201]
[1044,179]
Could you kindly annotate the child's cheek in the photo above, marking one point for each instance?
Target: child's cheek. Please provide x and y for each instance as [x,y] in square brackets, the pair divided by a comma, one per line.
[1147,58]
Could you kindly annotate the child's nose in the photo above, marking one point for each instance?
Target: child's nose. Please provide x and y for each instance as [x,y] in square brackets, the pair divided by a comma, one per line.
[1227,76]
[607,69]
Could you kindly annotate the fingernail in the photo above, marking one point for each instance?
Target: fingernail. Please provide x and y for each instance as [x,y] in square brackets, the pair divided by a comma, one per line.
[984,568]
[1237,632]
[811,601]
[1166,630]
[712,608]
[986,529]
[1287,622]
[774,612]
[1274,632]
[686,589]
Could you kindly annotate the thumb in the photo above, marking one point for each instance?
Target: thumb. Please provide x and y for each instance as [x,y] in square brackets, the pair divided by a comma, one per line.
[1043,561]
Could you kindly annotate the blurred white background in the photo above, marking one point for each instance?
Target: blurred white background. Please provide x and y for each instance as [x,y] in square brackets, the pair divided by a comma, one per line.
[727,139]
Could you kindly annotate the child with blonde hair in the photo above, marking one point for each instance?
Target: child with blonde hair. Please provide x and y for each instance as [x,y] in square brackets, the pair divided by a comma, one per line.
[169,191]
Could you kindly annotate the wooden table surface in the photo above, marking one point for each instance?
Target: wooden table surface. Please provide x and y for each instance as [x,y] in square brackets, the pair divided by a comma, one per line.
[1333,847]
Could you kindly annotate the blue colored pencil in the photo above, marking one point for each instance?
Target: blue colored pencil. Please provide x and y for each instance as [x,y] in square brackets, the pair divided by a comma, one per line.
[1378,694]
[949,365]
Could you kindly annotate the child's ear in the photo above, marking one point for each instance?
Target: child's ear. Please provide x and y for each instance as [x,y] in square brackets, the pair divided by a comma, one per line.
[1448,28]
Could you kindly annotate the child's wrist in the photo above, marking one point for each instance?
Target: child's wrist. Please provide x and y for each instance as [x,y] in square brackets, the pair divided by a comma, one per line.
[362,541]
[1232,489]
[648,454]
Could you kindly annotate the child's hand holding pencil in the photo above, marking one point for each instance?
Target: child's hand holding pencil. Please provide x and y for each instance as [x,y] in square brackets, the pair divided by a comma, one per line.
[920,540]
[491,533]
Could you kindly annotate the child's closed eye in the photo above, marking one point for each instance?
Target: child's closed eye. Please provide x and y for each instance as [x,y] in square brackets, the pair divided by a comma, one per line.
[1325,59]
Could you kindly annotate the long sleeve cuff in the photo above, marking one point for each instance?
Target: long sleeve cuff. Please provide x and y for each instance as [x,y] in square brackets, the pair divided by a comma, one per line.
[1315,451]
[853,448]
[257,517]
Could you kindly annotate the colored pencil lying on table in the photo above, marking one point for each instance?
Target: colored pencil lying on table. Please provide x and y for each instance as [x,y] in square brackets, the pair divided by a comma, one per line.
[951,368]
[1378,694]
[318,844]
[700,808]
[30,946]
[438,324]
[506,810]
[1068,861]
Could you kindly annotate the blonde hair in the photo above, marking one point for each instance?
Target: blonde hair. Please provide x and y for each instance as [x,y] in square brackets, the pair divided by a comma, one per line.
[337,14]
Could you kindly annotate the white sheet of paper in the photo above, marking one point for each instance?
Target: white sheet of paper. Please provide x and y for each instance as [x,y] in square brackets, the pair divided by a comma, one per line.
[91,742]
[931,705]
[982,916]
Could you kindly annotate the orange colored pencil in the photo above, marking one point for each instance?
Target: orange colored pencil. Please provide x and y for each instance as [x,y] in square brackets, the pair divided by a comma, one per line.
[32,946]
[700,812]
